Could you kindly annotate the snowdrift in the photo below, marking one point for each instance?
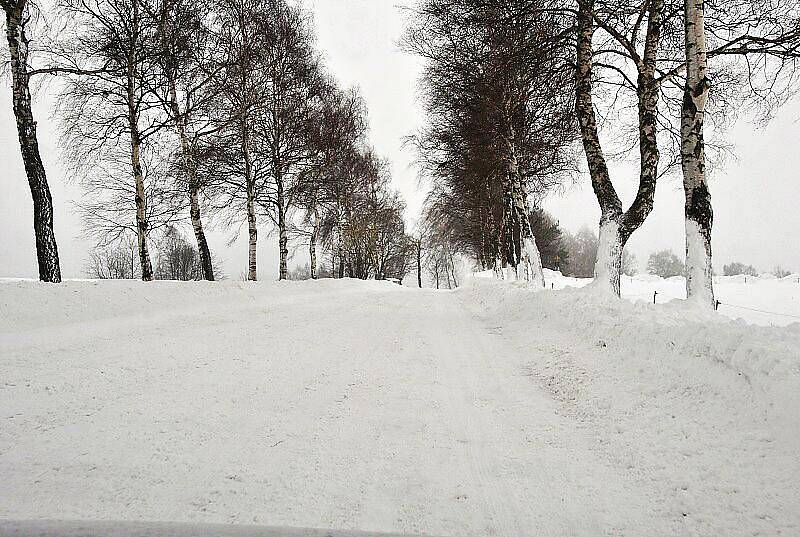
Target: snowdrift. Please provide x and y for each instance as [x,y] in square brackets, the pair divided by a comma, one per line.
[495,409]
[26,304]
[703,407]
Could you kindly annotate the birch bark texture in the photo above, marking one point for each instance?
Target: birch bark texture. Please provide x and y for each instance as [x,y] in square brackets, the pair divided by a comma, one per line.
[134,37]
[616,225]
[190,170]
[46,246]
[698,210]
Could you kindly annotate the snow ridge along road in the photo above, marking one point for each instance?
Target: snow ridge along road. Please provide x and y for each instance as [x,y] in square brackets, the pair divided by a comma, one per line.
[343,405]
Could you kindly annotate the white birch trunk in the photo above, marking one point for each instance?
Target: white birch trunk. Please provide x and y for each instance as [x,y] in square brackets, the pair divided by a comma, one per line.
[141,210]
[698,209]
[608,265]
[193,185]
[499,271]
[252,225]
[312,246]
[283,237]
[532,263]
[699,272]
[133,126]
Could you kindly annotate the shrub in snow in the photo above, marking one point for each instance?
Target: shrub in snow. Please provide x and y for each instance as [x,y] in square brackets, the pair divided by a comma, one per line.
[665,264]
[736,268]
[780,272]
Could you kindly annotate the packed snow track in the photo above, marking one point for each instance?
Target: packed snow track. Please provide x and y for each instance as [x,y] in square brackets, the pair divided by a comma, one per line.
[334,404]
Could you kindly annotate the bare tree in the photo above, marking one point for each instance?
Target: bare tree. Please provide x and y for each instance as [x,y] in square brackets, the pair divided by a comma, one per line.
[500,122]
[624,27]
[188,90]
[334,137]
[18,16]
[762,39]
[107,100]
[261,42]
[292,101]
[118,261]
[179,260]
[655,51]
[242,40]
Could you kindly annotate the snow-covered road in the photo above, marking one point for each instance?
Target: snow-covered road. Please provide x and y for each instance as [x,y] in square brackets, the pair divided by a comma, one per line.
[341,405]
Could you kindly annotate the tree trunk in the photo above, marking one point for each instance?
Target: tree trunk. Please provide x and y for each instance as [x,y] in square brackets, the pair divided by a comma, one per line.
[340,241]
[46,247]
[419,263]
[141,204]
[252,226]
[136,164]
[617,226]
[283,238]
[313,245]
[519,244]
[698,210]
[190,167]
[530,259]
[608,264]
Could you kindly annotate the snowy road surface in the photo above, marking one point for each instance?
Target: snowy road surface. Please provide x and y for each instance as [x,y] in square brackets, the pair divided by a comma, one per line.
[341,405]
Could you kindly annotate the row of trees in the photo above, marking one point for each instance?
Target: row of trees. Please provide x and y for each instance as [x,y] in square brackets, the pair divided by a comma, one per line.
[178,111]
[498,126]
[510,85]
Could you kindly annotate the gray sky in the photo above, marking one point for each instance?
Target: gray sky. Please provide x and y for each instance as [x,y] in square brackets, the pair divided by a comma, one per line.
[754,195]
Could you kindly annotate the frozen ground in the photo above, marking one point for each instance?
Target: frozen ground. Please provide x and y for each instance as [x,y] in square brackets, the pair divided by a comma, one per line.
[491,410]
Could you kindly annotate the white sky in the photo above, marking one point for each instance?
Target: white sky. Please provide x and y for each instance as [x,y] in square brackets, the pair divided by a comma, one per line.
[755,196]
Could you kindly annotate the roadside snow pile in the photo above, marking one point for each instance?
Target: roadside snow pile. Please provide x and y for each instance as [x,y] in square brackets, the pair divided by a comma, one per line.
[703,408]
[26,304]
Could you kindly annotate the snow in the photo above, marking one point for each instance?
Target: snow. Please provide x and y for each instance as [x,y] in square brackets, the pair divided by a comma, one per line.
[494,409]
[609,252]
[61,528]
[761,300]
[699,268]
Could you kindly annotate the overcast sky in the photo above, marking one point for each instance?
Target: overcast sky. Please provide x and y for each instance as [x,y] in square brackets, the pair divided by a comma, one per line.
[755,196]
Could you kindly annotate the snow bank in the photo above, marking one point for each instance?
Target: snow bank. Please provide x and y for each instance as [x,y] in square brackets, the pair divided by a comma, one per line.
[26,304]
[701,407]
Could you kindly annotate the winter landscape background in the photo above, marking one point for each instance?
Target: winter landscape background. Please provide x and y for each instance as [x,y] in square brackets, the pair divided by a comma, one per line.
[746,212]
[464,283]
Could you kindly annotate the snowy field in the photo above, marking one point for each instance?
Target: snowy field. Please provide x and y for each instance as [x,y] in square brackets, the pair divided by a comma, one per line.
[763,300]
[490,410]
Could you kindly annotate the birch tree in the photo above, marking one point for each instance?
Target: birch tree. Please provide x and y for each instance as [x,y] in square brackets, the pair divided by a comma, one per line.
[656,51]
[499,126]
[18,16]
[635,36]
[757,41]
[291,105]
[336,135]
[185,58]
[243,38]
[699,214]
[106,102]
